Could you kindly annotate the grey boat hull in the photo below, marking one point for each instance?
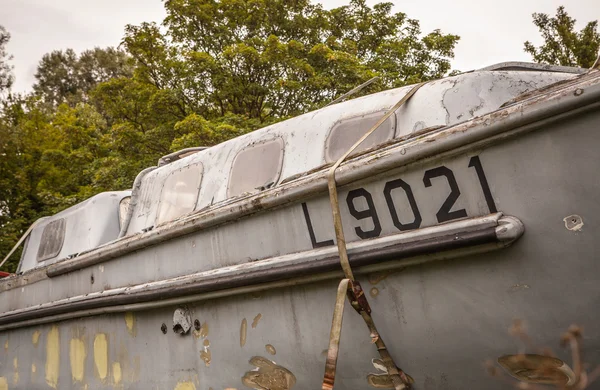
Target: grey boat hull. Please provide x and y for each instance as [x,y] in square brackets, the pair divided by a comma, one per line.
[440,319]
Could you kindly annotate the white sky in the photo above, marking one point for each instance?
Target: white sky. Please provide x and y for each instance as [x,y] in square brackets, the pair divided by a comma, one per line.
[491,31]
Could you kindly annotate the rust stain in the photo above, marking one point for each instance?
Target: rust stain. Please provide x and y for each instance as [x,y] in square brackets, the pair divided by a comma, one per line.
[243,331]
[374,292]
[255,321]
[270,349]
[268,376]
[377,277]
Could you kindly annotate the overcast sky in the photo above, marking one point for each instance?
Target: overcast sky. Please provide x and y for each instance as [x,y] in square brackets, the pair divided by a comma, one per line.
[491,31]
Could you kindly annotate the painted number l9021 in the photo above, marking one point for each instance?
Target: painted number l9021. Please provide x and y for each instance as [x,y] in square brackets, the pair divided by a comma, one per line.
[398,189]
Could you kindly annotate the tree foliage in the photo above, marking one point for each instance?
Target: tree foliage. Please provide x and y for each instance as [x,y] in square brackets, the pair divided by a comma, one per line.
[563,45]
[6,77]
[215,69]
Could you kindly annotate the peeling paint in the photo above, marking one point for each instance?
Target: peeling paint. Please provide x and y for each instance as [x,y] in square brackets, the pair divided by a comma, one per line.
[3,383]
[101,355]
[243,331]
[130,322]
[380,381]
[204,330]
[185,386]
[268,375]
[33,368]
[255,321]
[205,355]
[573,223]
[52,357]
[77,355]
[116,373]
[270,349]
[35,338]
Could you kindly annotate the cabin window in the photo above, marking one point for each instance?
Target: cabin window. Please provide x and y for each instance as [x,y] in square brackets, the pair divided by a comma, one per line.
[52,239]
[257,166]
[179,193]
[345,133]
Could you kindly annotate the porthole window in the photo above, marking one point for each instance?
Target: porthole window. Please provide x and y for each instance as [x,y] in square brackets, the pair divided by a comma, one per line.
[52,240]
[179,193]
[345,133]
[257,166]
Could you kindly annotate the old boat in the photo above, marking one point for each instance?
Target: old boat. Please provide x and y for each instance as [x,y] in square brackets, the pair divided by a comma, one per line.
[472,204]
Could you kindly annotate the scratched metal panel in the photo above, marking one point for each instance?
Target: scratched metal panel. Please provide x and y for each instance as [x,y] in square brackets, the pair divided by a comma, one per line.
[285,230]
[439,103]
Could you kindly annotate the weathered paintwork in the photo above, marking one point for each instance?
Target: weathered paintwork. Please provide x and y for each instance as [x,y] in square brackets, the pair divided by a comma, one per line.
[441,320]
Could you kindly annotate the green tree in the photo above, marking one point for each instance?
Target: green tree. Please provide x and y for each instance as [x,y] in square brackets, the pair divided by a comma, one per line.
[6,77]
[64,77]
[563,45]
[271,59]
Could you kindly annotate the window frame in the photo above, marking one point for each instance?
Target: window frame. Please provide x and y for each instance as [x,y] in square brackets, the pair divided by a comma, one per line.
[392,133]
[56,252]
[278,171]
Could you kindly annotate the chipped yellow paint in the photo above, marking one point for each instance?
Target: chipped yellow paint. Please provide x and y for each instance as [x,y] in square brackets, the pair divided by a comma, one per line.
[52,357]
[3,383]
[205,355]
[6,345]
[268,375]
[243,330]
[77,355]
[256,319]
[101,355]
[185,386]
[270,349]
[16,374]
[116,373]
[204,330]
[35,338]
[130,322]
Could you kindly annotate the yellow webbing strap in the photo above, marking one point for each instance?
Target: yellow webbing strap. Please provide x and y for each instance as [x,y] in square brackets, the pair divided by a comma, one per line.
[348,286]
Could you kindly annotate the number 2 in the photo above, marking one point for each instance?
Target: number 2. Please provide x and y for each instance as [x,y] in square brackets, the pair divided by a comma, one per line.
[444,214]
